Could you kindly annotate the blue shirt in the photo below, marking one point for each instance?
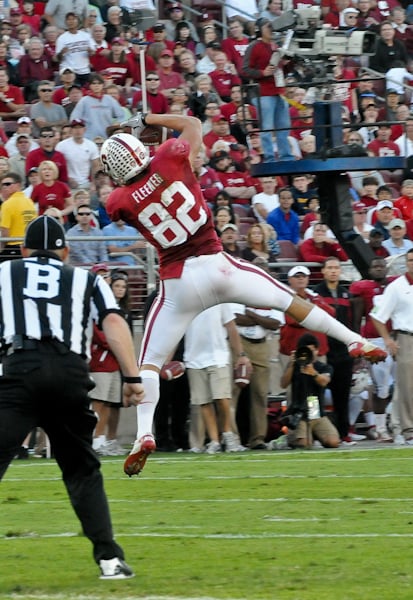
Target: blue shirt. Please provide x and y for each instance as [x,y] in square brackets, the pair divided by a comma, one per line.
[286,228]
[126,231]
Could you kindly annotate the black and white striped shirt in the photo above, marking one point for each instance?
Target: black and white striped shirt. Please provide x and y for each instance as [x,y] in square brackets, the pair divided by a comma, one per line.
[41,297]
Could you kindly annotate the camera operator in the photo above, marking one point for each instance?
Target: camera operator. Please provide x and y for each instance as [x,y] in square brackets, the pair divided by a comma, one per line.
[263,63]
[305,416]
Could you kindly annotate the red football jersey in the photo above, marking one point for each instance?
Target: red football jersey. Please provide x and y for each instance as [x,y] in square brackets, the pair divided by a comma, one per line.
[367,289]
[167,207]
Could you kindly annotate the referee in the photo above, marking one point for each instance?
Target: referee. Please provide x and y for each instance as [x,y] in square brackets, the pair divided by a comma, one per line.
[46,311]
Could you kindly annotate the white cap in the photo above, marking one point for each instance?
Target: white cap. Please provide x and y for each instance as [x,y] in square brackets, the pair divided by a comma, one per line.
[350,11]
[384,204]
[299,269]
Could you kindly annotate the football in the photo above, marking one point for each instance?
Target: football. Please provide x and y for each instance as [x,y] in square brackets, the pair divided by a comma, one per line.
[172,370]
[242,375]
[153,135]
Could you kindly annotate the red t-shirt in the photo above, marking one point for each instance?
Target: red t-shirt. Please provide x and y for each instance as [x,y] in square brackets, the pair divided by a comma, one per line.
[367,289]
[48,196]
[35,157]
[14,94]
[167,207]
[384,148]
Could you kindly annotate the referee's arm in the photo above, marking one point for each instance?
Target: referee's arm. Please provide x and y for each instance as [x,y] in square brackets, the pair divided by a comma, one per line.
[120,341]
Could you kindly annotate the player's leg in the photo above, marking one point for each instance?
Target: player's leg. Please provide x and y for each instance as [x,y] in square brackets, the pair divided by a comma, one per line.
[165,325]
[247,284]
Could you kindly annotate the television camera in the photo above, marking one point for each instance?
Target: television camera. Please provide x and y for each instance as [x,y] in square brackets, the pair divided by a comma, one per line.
[302,35]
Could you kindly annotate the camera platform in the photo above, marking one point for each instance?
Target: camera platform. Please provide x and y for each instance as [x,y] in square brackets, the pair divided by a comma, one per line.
[322,165]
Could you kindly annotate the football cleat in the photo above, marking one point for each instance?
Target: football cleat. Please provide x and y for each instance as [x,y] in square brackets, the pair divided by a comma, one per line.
[115,568]
[368,351]
[136,460]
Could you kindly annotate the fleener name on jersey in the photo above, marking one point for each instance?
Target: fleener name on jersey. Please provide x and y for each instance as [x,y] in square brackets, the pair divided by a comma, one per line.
[150,186]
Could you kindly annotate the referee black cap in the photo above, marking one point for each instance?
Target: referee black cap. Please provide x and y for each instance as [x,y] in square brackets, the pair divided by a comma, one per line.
[45,233]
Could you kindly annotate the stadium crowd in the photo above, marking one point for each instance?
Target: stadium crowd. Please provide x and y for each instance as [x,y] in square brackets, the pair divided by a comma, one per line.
[70,76]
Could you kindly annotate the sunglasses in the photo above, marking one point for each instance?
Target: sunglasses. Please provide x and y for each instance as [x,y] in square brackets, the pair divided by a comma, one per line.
[47,135]
[152,79]
[84,214]
[7,183]
[46,90]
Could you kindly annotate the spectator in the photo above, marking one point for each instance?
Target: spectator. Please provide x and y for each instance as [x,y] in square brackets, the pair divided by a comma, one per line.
[82,156]
[98,33]
[34,67]
[61,93]
[405,140]
[321,246]
[183,36]
[403,32]
[51,192]
[73,48]
[229,237]
[114,23]
[98,110]
[117,247]
[32,178]
[267,200]
[17,211]
[75,94]
[134,58]
[368,195]
[204,96]
[47,151]
[85,251]
[230,109]
[56,11]
[11,98]
[283,219]
[405,202]
[237,184]
[224,76]
[222,216]
[388,49]
[116,64]
[397,244]
[45,112]
[257,244]
[236,43]
[30,17]
[312,215]
[206,64]
[382,145]
[207,177]
[157,102]
[302,191]
[220,131]
[382,216]
[369,130]
[389,111]
[17,162]
[187,66]
[24,126]
[169,78]
[360,224]
[176,14]
[5,62]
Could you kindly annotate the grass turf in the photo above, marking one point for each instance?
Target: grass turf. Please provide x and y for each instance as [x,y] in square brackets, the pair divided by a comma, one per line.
[289,525]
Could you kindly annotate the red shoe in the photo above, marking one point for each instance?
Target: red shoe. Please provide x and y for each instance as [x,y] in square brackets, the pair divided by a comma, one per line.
[136,460]
[368,351]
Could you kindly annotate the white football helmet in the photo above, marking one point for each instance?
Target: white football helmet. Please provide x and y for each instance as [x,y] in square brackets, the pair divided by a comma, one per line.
[123,157]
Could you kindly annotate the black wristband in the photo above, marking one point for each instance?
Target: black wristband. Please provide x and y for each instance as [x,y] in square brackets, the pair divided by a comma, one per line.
[144,120]
[132,379]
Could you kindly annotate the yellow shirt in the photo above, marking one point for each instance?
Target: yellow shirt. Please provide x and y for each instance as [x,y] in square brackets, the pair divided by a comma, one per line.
[16,213]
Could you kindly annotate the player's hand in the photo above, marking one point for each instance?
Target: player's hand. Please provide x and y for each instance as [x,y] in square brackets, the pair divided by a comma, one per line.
[136,123]
[133,394]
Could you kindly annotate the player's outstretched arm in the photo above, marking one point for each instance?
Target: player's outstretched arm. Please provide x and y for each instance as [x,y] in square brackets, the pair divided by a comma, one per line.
[190,128]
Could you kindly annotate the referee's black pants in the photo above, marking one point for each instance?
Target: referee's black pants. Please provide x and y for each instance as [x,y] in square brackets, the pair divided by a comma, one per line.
[48,387]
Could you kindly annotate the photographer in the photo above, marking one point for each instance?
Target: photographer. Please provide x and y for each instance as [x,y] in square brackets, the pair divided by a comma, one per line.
[305,415]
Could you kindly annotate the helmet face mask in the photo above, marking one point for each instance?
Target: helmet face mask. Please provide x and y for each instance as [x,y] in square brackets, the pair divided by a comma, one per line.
[123,157]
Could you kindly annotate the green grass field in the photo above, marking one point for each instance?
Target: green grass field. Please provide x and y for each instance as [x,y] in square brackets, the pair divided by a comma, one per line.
[312,525]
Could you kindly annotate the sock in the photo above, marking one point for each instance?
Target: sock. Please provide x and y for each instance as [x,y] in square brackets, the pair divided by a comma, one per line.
[355,404]
[98,441]
[381,422]
[318,320]
[370,418]
[146,409]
